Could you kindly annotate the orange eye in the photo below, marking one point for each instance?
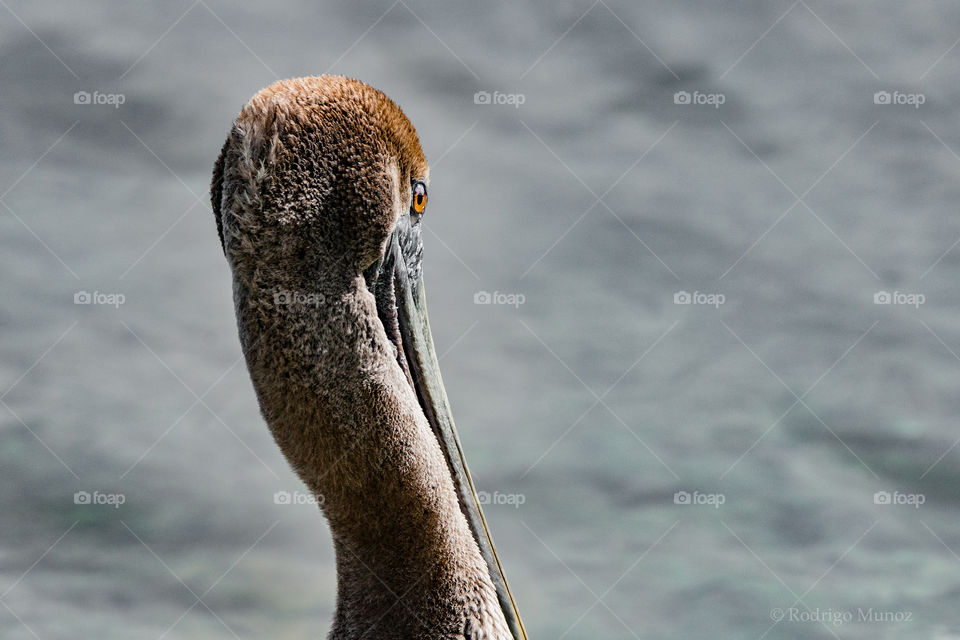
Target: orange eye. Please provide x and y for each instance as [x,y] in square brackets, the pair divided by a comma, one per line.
[419,202]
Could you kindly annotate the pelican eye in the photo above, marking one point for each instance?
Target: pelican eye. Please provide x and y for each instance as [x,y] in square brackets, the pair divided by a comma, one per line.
[419,200]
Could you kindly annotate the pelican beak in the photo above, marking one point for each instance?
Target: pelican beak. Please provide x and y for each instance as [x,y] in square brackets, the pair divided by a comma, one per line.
[402,306]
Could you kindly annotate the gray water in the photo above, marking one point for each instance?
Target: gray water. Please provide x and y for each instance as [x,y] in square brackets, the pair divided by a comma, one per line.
[585,409]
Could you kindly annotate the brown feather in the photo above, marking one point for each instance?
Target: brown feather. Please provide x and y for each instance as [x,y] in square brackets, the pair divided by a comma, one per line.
[307,189]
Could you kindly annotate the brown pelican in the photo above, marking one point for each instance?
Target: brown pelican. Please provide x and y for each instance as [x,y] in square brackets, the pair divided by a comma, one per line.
[318,195]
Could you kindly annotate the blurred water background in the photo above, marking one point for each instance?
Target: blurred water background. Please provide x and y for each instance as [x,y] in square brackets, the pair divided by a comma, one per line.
[789,165]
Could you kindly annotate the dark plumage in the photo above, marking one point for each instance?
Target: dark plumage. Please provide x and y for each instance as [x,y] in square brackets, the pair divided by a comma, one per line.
[313,180]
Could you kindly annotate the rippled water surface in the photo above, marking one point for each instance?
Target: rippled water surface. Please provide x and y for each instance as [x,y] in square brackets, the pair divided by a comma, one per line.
[783,198]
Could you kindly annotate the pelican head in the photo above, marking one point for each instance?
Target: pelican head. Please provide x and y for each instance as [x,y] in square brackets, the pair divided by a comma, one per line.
[318,194]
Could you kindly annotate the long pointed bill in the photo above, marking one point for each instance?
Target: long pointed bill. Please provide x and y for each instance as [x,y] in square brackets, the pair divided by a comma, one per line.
[411,305]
